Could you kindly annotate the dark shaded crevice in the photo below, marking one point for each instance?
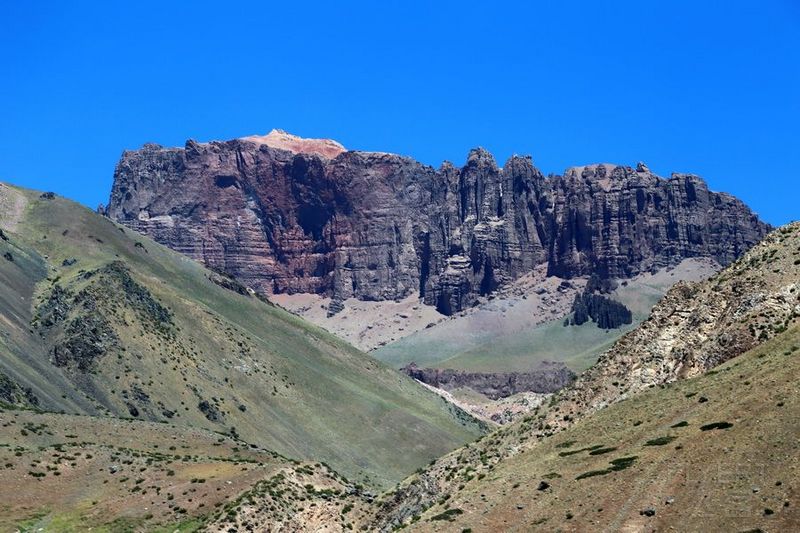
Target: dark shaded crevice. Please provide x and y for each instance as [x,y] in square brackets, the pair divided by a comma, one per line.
[488,283]
[443,304]
[424,262]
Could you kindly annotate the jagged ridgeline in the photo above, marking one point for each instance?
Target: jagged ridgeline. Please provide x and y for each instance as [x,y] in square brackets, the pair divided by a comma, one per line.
[97,319]
[284,214]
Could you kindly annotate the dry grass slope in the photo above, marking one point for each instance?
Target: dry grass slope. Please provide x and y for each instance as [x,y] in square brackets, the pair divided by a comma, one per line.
[718,452]
[72,473]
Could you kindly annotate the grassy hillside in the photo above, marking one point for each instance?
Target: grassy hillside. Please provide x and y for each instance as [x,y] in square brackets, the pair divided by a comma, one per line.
[97,319]
[714,453]
[501,340]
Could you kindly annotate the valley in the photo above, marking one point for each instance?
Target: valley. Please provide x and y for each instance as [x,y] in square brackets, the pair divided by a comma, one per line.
[528,267]
[145,390]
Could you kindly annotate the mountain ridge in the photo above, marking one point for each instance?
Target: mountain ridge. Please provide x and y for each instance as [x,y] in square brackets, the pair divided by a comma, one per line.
[582,451]
[96,319]
[378,226]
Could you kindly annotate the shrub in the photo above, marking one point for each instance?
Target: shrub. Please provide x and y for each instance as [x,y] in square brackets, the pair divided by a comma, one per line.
[660,441]
[623,462]
[716,425]
[601,451]
[448,515]
[593,473]
[573,452]
[616,465]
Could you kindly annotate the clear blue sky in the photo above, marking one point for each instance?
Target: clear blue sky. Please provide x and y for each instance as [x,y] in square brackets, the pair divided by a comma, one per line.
[710,87]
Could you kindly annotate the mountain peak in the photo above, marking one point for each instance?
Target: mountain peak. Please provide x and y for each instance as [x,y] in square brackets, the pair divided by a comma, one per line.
[278,138]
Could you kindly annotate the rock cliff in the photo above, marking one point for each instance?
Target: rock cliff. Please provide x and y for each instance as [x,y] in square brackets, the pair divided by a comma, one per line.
[286,215]
[548,377]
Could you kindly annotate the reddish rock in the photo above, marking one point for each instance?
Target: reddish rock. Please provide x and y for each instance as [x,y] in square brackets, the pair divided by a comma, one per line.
[284,214]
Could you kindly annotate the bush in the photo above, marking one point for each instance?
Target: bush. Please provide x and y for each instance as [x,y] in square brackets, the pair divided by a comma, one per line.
[716,425]
[448,515]
[623,462]
[592,473]
[616,465]
[660,441]
[587,449]
[601,451]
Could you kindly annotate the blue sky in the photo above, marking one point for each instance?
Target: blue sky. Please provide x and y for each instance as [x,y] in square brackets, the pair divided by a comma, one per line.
[709,87]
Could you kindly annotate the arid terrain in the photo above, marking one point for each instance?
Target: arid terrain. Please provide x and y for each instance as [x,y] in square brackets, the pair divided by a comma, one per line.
[546,383]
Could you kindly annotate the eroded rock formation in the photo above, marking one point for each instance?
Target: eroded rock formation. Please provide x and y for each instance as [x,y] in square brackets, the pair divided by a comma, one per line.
[284,214]
[548,377]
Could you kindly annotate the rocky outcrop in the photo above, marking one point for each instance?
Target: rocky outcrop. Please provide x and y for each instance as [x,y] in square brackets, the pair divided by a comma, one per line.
[79,325]
[603,311]
[14,394]
[284,214]
[694,328]
[548,377]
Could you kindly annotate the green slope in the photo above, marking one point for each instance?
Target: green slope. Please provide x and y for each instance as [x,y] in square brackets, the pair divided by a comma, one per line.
[483,343]
[576,346]
[467,346]
[73,473]
[134,329]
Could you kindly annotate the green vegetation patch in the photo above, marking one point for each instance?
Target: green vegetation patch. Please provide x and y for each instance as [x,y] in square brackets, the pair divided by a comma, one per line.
[601,451]
[448,515]
[587,449]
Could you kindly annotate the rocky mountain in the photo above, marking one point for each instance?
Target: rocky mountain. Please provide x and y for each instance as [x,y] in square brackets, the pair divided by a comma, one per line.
[691,418]
[179,382]
[753,306]
[289,215]
[696,327]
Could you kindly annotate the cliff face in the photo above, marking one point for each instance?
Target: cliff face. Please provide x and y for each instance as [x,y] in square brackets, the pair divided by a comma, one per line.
[307,216]
[548,377]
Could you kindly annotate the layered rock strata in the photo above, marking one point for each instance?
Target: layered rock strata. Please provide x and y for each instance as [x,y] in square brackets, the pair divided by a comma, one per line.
[289,215]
